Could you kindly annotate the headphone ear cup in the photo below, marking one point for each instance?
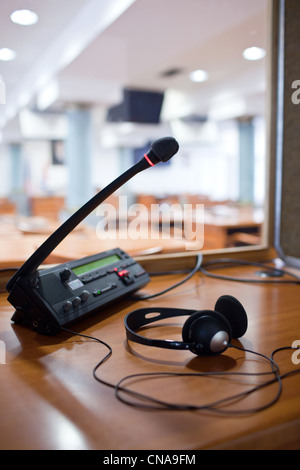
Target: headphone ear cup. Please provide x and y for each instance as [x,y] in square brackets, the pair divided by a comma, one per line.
[207,331]
[235,313]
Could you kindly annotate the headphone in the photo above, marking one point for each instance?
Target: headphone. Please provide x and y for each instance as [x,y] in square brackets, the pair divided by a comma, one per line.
[205,332]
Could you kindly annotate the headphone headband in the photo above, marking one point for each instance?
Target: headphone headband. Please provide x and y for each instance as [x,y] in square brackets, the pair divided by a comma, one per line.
[141,317]
[205,332]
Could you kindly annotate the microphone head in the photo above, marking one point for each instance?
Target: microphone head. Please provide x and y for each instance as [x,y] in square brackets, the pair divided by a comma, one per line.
[162,150]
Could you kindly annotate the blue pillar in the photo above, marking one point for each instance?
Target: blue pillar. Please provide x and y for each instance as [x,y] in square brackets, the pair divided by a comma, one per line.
[17,180]
[17,170]
[78,158]
[247,157]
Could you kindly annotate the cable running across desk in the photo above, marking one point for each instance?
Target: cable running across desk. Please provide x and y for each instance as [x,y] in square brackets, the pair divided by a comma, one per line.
[228,262]
[215,406]
[168,289]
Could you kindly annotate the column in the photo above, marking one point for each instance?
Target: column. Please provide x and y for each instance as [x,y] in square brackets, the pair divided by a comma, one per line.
[78,158]
[247,160]
[17,173]
[18,184]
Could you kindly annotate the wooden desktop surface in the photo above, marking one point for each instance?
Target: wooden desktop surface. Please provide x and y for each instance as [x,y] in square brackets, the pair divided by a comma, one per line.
[50,400]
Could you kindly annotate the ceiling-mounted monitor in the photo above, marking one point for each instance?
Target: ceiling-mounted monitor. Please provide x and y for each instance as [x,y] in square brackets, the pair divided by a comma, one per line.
[138,106]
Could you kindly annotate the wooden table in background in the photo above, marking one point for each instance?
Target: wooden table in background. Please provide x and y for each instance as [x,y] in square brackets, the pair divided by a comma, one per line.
[50,400]
[21,236]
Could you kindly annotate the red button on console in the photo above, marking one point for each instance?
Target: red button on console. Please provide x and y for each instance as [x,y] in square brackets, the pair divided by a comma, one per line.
[123,273]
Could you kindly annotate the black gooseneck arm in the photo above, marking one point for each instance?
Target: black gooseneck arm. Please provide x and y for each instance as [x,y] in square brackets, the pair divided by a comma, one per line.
[161,150]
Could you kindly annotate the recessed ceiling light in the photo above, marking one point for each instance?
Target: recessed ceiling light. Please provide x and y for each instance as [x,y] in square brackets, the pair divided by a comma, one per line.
[254,53]
[198,76]
[7,54]
[24,17]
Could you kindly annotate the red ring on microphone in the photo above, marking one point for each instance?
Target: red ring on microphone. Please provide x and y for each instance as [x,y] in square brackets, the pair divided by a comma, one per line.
[148,160]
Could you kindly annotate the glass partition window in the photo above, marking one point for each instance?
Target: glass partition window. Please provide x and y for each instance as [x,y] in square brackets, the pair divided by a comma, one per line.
[194,70]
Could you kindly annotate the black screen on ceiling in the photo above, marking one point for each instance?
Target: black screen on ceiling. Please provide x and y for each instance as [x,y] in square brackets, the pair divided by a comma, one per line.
[138,106]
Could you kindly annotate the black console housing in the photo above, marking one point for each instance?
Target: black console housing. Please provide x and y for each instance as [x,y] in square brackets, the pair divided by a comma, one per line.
[58,296]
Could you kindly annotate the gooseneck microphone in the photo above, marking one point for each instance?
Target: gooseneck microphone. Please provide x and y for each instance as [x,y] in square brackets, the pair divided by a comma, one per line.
[161,150]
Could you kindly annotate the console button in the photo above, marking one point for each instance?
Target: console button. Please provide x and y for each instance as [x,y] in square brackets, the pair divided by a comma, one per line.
[127,280]
[140,273]
[104,289]
[124,274]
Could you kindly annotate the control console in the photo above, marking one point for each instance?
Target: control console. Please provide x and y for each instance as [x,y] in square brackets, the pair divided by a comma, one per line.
[50,298]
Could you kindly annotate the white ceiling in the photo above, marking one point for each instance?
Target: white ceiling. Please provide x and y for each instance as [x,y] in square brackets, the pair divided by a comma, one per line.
[86,51]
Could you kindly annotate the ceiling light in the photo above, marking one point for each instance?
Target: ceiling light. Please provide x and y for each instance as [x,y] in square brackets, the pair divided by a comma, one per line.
[24,17]
[254,53]
[198,76]
[7,54]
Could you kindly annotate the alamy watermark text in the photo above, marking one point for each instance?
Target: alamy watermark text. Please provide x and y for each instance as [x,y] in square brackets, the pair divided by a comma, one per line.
[159,221]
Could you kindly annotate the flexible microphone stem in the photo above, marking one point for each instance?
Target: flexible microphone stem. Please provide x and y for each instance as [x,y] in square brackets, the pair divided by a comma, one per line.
[161,150]
[51,243]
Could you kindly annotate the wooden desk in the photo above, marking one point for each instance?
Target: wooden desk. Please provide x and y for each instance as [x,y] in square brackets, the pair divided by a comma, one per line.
[50,400]
[217,227]
[230,226]
[20,237]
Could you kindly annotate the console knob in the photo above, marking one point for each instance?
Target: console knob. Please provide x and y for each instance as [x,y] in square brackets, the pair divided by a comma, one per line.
[84,295]
[67,305]
[76,301]
[65,274]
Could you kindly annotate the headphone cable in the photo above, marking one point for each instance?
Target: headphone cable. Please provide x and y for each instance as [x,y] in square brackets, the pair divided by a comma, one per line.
[191,273]
[147,402]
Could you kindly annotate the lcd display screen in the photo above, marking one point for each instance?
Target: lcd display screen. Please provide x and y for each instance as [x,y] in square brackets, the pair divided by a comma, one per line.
[99,263]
